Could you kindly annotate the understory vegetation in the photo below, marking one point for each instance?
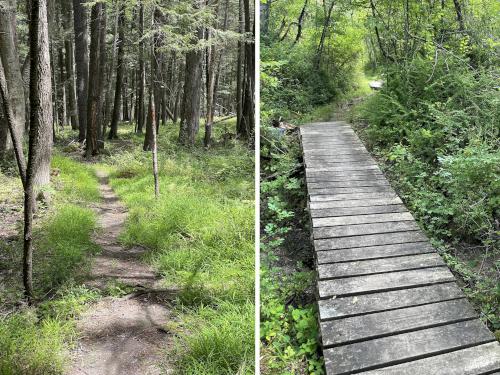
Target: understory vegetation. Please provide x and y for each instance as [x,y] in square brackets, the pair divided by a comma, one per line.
[289,326]
[439,143]
[34,339]
[200,236]
[434,128]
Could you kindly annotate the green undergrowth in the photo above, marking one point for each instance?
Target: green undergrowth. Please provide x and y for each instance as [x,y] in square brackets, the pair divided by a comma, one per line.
[289,328]
[35,340]
[435,128]
[200,233]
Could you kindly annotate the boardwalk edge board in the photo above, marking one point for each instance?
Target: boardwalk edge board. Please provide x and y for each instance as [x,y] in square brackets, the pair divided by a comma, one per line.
[388,304]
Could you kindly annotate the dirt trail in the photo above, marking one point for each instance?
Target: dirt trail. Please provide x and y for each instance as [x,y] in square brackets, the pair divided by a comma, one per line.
[120,336]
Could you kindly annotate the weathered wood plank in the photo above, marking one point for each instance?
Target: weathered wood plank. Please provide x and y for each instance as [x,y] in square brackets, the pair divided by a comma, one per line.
[344,168]
[371,326]
[364,229]
[478,360]
[368,240]
[360,219]
[338,164]
[348,183]
[323,198]
[383,282]
[373,252]
[373,266]
[403,347]
[350,190]
[363,210]
[335,308]
[355,203]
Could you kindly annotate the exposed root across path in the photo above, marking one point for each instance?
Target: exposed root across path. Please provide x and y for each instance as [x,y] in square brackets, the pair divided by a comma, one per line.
[121,335]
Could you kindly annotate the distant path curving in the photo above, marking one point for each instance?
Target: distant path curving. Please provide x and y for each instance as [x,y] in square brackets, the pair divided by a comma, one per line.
[388,304]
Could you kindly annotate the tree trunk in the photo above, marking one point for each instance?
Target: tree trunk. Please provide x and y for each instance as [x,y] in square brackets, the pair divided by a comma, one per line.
[40,141]
[326,25]
[69,62]
[94,85]
[11,123]
[142,74]
[239,70]
[246,127]
[190,115]
[82,64]
[108,110]
[113,132]
[102,78]
[12,71]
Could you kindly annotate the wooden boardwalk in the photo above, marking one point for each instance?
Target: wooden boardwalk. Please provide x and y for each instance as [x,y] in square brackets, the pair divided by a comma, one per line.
[388,304]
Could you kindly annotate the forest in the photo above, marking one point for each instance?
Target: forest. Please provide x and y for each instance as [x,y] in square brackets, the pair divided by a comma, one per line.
[433,128]
[127,187]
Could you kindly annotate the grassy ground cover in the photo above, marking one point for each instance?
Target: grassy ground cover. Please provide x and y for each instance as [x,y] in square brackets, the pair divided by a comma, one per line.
[34,340]
[200,233]
[200,236]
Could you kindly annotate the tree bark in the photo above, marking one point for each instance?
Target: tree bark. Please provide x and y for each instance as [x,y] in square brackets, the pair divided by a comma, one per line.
[40,141]
[11,123]
[113,132]
[190,115]
[102,78]
[13,77]
[142,73]
[246,126]
[82,64]
[326,25]
[94,85]
[69,62]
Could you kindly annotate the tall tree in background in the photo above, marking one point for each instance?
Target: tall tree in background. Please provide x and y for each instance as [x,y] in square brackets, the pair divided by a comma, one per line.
[12,70]
[246,124]
[190,116]
[113,132]
[69,63]
[142,73]
[82,64]
[94,88]
[40,135]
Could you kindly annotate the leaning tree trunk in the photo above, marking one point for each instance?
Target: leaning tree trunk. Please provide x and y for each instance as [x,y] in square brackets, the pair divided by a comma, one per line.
[113,132]
[13,77]
[190,115]
[40,141]
[82,64]
[11,123]
[94,84]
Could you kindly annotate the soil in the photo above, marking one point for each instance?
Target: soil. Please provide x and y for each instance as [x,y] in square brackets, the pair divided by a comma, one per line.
[125,335]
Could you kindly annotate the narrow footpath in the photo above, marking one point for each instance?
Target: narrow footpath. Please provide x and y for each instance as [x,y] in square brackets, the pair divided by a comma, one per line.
[125,335]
